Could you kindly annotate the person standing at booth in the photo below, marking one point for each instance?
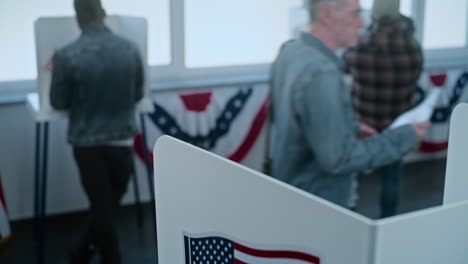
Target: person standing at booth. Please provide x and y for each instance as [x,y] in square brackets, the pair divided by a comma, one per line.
[315,144]
[98,79]
[385,65]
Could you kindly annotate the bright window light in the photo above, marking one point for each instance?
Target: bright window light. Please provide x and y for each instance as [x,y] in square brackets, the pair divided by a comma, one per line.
[17,17]
[226,33]
[445,24]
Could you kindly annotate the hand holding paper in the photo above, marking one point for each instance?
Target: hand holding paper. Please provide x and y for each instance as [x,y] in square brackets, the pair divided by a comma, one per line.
[420,113]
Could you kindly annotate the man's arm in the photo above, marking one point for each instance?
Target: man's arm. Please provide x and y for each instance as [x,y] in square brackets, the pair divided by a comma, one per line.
[321,104]
[60,90]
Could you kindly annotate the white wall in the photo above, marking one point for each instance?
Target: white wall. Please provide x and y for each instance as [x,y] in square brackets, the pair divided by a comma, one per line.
[16,157]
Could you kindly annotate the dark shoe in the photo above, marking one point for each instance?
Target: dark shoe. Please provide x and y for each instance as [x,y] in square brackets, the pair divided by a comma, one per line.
[80,255]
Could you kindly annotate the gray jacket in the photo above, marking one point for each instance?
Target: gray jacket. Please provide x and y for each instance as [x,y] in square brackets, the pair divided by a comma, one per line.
[98,79]
[315,146]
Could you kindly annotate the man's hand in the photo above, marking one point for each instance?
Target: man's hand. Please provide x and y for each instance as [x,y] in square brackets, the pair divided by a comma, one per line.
[366,131]
[420,128]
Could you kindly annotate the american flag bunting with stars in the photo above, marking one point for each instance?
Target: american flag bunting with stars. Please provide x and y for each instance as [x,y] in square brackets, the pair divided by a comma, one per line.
[453,86]
[227,121]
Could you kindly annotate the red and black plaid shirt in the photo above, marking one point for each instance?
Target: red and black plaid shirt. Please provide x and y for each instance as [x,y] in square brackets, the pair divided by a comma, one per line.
[385,65]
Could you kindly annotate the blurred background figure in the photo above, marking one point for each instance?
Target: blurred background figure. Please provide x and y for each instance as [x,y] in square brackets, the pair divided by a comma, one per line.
[315,147]
[385,66]
[98,79]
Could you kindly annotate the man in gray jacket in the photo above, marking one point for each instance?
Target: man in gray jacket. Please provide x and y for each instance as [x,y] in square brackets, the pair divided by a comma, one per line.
[315,144]
[98,79]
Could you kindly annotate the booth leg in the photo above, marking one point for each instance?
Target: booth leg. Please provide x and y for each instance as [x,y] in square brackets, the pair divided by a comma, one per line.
[41,189]
[149,173]
[136,190]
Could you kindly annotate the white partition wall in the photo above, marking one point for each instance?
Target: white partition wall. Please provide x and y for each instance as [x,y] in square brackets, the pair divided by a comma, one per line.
[456,176]
[199,194]
[53,33]
[203,200]
[433,236]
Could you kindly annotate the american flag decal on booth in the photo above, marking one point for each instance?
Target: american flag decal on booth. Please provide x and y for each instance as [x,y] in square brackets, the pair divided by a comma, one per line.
[221,250]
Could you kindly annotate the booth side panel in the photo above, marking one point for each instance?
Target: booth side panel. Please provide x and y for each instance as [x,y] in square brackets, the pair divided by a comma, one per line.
[434,236]
[202,195]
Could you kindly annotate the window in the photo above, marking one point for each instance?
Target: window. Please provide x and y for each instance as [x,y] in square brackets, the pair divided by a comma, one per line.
[157,16]
[366,5]
[18,55]
[226,33]
[440,14]
[405,6]
[199,39]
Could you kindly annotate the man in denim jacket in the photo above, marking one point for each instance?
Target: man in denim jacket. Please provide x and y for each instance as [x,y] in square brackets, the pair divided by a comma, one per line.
[98,79]
[315,144]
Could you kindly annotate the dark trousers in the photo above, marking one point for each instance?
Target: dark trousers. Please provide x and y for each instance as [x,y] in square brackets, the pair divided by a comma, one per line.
[390,176]
[104,172]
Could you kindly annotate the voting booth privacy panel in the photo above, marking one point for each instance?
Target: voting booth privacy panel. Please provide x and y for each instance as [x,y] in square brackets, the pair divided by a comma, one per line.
[211,209]
[199,194]
[53,33]
[456,185]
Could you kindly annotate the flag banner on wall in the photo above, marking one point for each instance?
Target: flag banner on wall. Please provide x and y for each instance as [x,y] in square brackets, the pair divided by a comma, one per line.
[221,250]
[5,231]
[453,85]
[226,121]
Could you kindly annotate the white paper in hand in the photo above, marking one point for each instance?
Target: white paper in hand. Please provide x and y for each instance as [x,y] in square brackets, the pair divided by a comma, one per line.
[420,113]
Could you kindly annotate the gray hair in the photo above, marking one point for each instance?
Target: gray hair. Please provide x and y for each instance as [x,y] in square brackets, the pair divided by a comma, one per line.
[313,6]
[89,10]
[382,8]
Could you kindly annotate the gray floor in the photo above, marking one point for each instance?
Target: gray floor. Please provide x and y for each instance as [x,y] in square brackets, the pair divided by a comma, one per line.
[422,187]
[63,231]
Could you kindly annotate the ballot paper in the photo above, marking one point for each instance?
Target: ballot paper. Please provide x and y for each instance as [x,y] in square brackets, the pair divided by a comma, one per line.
[420,113]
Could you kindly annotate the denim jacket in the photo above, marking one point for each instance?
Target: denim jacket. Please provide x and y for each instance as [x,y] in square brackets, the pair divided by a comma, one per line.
[98,79]
[314,145]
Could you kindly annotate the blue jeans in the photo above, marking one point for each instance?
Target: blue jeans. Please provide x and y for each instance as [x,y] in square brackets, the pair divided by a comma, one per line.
[390,188]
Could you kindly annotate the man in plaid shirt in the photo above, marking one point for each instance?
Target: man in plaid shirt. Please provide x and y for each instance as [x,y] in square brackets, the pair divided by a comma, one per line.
[385,66]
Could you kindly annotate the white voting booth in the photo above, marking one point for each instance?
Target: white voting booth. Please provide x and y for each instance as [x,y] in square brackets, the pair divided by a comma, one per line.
[456,186]
[53,33]
[211,210]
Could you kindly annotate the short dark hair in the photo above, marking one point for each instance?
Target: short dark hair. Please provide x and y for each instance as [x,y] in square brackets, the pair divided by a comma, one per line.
[89,10]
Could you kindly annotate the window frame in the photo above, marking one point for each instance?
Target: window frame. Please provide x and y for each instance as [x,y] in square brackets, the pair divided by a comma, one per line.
[176,71]
[442,57]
